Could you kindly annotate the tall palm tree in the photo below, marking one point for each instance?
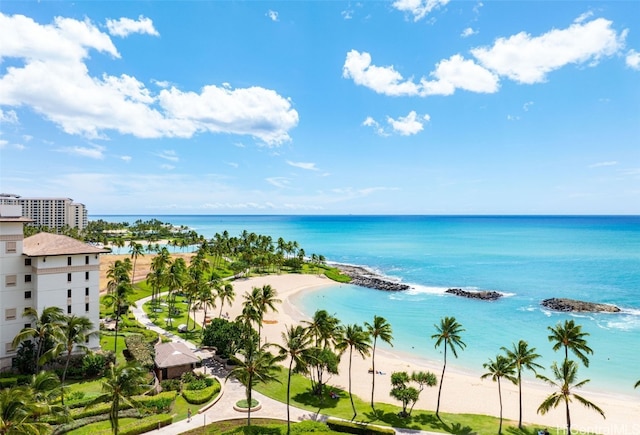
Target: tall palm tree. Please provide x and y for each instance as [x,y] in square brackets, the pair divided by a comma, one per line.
[502,367]
[76,330]
[120,383]
[565,382]
[46,326]
[448,334]
[266,300]
[523,358]
[297,347]
[120,289]
[158,272]
[353,337]
[18,412]
[225,293]
[256,366]
[323,330]
[135,249]
[379,328]
[570,336]
[175,280]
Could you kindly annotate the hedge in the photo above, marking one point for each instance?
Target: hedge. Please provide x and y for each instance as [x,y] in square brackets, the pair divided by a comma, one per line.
[146,424]
[358,428]
[197,397]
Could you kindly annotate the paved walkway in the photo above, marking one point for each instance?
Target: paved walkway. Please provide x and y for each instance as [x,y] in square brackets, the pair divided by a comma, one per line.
[232,392]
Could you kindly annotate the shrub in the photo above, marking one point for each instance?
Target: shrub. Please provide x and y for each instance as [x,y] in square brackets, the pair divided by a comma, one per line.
[170,385]
[358,428]
[146,424]
[93,364]
[8,382]
[159,403]
[197,397]
[200,384]
[308,426]
[140,350]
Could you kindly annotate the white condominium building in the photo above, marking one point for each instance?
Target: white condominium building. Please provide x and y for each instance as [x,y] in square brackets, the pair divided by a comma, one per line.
[41,271]
[49,212]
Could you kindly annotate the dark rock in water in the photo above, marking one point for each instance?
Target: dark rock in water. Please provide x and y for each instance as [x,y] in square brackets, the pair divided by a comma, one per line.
[483,295]
[364,278]
[572,305]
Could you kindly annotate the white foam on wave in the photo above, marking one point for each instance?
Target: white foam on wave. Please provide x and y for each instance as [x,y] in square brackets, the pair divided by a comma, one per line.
[423,289]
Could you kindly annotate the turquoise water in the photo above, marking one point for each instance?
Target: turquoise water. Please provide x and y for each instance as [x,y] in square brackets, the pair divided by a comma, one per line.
[527,258]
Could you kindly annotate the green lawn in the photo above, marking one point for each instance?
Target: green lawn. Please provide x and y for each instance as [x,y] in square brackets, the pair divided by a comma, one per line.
[159,318]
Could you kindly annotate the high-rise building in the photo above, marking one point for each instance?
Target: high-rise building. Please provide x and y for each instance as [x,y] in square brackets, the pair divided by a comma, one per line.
[41,271]
[49,212]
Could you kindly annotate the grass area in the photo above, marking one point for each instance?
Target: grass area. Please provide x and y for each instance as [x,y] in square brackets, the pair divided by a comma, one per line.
[107,342]
[267,426]
[159,318]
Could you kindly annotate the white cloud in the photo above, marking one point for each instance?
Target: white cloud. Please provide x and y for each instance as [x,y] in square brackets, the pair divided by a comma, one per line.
[233,164]
[9,116]
[407,125]
[54,81]
[95,152]
[633,59]
[418,8]
[526,106]
[513,118]
[602,164]
[303,165]
[347,14]
[583,17]
[123,27]
[167,166]
[527,59]
[169,155]
[280,182]
[125,158]
[468,32]
[383,80]
[273,15]
[370,122]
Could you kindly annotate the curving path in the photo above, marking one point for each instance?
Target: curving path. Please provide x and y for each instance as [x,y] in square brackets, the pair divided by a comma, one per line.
[232,391]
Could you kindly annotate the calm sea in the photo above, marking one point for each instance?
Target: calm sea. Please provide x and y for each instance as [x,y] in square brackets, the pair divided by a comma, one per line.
[529,258]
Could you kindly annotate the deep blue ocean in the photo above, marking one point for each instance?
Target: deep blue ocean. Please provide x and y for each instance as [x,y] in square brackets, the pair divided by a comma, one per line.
[529,258]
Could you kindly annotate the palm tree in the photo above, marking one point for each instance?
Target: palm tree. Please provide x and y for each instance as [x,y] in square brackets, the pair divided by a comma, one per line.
[120,289]
[565,376]
[353,337]
[47,326]
[257,365]
[158,272]
[175,280]
[637,385]
[75,332]
[448,334]
[265,299]
[570,336]
[120,383]
[379,328]
[523,358]
[135,249]
[225,293]
[18,410]
[297,346]
[502,367]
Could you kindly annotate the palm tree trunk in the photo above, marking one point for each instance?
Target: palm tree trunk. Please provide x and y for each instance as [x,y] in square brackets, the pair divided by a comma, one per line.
[350,395]
[500,398]
[373,374]
[249,401]
[520,397]
[444,366]
[64,376]
[115,341]
[288,397]
[566,402]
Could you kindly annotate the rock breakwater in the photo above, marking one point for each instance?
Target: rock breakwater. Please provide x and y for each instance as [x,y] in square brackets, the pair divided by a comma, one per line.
[483,295]
[572,305]
[365,278]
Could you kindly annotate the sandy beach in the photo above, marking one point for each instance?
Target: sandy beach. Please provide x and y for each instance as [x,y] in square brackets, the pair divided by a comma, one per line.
[462,392]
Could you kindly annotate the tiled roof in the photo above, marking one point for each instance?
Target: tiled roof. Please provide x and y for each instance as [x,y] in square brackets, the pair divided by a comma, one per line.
[174,354]
[55,244]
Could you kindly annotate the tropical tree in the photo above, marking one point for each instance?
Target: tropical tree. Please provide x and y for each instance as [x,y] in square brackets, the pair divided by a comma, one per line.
[225,293]
[120,383]
[296,347]
[423,379]
[402,391]
[448,334]
[45,387]
[378,328]
[572,338]
[637,384]
[323,330]
[502,367]
[75,331]
[120,289]
[565,382]
[353,337]
[18,412]
[46,326]
[157,273]
[255,366]
[264,299]
[175,280]
[135,249]
[523,357]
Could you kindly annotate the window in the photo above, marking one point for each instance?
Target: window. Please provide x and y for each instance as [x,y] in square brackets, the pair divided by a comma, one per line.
[10,314]
[68,261]
[86,276]
[8,347]
[11,247]
[86,307]
[69,293]
[68,309]
[27,278]
[27,262]
[10,280]
[68,277]
[86,291]
[27,325]
[86,259]
[27,294]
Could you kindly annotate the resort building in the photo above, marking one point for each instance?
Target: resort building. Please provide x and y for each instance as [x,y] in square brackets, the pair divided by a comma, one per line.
[41,271]
[49,212]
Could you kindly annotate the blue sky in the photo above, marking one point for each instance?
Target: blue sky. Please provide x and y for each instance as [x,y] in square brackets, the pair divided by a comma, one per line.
[323,107]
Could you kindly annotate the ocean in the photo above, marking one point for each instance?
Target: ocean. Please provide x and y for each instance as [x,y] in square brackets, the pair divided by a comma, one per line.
[528,258]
